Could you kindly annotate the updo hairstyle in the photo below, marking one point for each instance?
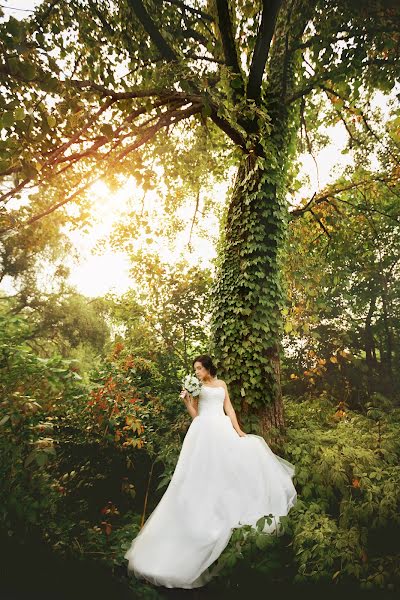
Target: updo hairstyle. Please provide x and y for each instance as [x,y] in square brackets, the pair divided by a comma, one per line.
[207,363]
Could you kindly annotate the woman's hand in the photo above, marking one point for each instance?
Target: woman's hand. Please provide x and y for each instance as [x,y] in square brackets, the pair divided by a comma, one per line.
[241,433]
[184,395]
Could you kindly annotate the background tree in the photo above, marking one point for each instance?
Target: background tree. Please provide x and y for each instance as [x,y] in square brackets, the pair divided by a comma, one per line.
[165,317]
[342,274]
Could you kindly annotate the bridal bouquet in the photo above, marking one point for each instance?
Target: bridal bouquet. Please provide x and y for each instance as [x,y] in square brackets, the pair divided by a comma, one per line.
[192,385]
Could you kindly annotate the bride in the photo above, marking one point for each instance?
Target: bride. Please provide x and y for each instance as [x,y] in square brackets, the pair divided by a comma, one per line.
[224,478]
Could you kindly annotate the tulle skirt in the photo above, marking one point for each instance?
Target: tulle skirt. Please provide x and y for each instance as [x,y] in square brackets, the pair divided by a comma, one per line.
[221,481]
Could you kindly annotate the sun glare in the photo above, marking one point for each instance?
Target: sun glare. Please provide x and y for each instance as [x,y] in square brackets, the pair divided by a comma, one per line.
[99,188]
[98,268]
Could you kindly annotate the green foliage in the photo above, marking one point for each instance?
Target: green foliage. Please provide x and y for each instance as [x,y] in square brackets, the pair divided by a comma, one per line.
[165,315]
[74,475]
[348,477]
[341,271]
[345,524]
[30,390]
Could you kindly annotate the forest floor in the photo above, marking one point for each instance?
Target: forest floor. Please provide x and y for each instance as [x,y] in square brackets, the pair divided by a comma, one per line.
[32,571]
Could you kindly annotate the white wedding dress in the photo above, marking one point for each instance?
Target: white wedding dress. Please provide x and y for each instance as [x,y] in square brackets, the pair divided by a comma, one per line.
[221,481]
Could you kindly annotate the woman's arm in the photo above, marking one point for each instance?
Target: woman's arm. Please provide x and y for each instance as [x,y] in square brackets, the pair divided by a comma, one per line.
[191,403]
[230,411]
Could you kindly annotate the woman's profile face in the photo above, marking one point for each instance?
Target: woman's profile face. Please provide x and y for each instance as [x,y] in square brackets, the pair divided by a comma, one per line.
[200,371]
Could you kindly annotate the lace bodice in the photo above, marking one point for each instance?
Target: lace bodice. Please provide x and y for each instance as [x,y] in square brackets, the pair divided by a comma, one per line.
[211,401]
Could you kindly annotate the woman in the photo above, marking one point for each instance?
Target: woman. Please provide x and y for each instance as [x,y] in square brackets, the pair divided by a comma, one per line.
[224,478]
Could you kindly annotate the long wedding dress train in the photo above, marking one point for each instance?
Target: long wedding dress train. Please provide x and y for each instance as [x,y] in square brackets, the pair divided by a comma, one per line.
[221,481]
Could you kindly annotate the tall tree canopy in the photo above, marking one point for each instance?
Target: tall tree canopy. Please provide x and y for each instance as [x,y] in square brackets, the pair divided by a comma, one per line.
[90,88]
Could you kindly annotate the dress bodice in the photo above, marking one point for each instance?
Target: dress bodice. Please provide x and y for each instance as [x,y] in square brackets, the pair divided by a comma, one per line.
[211,401]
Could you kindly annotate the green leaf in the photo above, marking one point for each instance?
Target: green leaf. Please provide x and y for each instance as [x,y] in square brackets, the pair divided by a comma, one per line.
[206,110]
[51,121]
[263,541]
[41,459]
[30,458]
[236,83]
[107,130]
[15,28]
[288,327]
[27,70]
[260,524]
[19,114]
[8,118]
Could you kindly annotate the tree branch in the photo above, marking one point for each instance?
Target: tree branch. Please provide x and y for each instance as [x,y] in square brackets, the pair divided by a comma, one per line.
[262,46]
[164,48]
[57,156]
[227,128]
[369,208]
[320,223]
[139,93]
[368,127]
[227,38]
[332,193]
[315,82]
[169,118]
[195,11]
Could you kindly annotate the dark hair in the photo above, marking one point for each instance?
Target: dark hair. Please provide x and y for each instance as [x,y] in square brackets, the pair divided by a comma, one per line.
[207,363]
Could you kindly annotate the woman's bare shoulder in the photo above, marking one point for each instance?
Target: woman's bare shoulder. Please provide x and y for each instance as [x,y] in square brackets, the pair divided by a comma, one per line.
[220,382]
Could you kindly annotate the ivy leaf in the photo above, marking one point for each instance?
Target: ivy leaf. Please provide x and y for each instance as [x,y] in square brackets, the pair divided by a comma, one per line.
[236,83]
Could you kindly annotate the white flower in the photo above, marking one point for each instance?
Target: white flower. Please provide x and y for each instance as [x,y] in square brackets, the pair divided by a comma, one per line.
[192,385]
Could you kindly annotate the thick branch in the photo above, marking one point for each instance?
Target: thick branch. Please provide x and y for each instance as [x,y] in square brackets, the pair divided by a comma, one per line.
[262,46]
[170,118]
[164,48]
[227,128]
[195,11]
[227,38]
[332,193]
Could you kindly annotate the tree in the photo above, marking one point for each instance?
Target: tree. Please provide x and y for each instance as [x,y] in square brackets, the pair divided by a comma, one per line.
[342,278]
[165,317]
[89,84]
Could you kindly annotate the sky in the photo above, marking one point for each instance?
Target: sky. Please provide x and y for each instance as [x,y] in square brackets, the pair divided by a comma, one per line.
[97,273]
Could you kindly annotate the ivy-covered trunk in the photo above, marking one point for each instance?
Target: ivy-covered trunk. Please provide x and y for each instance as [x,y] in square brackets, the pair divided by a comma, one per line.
[248,294]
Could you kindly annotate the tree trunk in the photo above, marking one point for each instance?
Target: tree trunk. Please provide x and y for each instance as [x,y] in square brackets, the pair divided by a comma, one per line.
[247,298]
[387,356]
[248,294]
[369,345]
